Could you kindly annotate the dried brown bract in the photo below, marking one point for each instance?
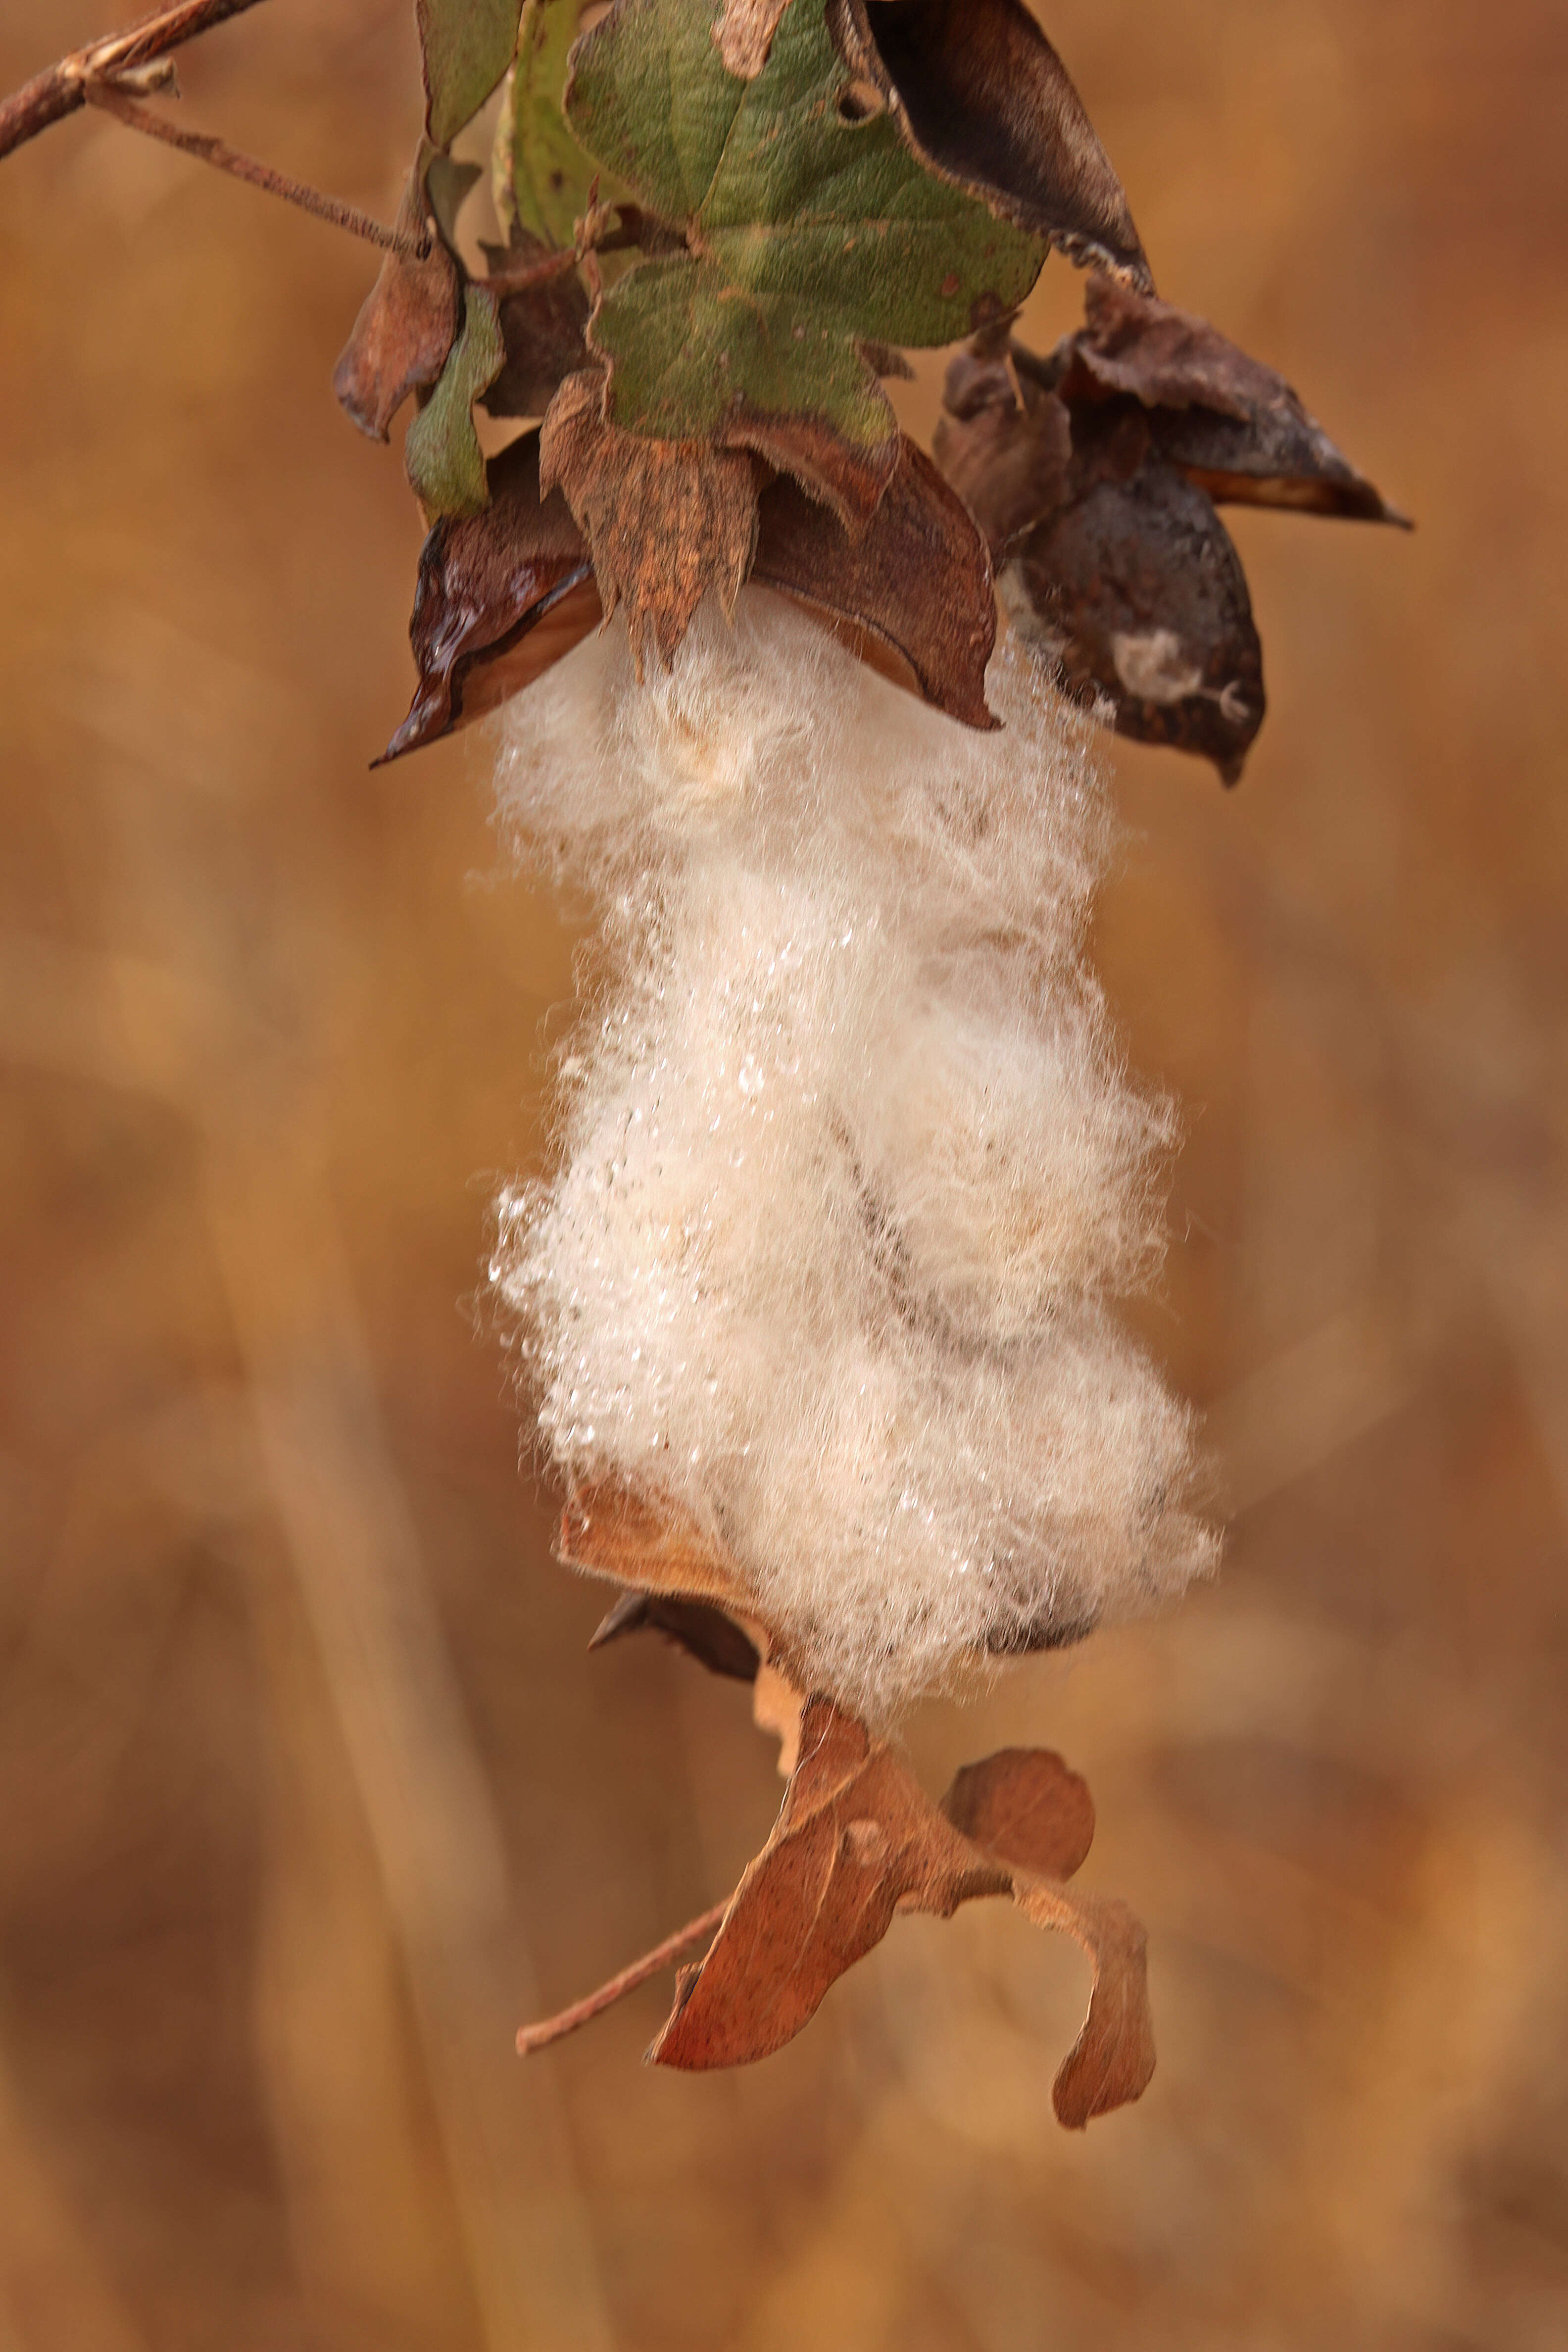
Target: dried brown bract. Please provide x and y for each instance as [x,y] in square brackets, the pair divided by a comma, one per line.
[1095,472]
[405,328]
[501,595]
[666,521]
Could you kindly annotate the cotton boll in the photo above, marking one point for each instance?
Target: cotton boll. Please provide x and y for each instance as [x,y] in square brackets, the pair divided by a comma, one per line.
[1012,1159]
[847,1162]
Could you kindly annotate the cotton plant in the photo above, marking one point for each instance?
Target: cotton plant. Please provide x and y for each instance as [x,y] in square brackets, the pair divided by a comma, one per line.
[815,1310]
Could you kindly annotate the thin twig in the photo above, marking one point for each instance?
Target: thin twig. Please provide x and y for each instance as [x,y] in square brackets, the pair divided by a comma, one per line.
[552,2029]
[225,158]
[61,88]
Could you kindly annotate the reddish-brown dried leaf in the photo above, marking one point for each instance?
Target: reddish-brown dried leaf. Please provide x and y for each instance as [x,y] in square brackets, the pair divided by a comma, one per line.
[912,593]
[856,1841]
[706,1634]
[666,521]
[1232,424]
[1111,2061]
[855,1838]
[607,1532]
[501,596]
[1008,457]
[1136,593]
[399,343]
[985,98]
[543,311]
[1026,1807]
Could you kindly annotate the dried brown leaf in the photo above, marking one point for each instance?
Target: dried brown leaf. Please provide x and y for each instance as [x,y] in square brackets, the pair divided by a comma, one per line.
[703,1631]
[1111,2061]
[399,343]
[985,100]
[1136,593]
[501,596]
[856,1841]
[666,521]
[543,311]
[607,1532]
[912,593]
[1008,459]
[1026,1807]
[855,1837]
[1233,426]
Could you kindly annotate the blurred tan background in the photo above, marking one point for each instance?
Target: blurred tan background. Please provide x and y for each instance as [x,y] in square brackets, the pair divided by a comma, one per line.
[309,1792]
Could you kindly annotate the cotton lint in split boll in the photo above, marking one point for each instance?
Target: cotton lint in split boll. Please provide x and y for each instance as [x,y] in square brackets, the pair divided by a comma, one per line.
[848,1171]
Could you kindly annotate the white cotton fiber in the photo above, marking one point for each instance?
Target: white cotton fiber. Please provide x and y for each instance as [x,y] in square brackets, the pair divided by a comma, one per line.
[848,1168]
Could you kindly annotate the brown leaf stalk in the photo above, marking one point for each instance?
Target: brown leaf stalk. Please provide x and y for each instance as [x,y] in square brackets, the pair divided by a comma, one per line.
[216,151]
[553,2028]
[60,88]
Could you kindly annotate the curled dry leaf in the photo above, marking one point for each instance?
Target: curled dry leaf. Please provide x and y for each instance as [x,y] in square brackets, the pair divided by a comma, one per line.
[617,1534]
[400,340]
[703,1631]
[1007,458]
[984,99]
[856,1841]
[501,595]
[1094,474]
[666,521]
[1227,422]
[912,593]
[1136,594]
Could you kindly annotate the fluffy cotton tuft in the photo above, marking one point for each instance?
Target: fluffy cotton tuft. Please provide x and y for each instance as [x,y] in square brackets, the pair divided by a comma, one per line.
[850,1169]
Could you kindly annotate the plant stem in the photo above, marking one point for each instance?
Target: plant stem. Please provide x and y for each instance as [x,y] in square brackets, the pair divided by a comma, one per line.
[224,158]
[552,2029]
[61,88]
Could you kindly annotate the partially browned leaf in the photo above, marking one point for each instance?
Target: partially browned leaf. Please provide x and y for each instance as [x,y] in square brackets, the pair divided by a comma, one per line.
[703,1631]
[543,310]
[665,521]
[985,99]
[404,330]
[1007,457]
[1230,424]
[912,593]
[501,595]
[856,1841]
[1136,594]
[1026,1807]
[743,34]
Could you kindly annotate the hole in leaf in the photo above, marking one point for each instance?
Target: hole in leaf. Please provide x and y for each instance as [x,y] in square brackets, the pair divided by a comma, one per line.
[858,102]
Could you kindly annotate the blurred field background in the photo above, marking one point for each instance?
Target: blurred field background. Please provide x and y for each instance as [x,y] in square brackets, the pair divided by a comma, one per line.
[309,1792]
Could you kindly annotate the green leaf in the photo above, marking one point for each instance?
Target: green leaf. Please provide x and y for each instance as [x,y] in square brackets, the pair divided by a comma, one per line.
[540,175]
[447,187]
[813,224]
[445,465]
[465,47]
